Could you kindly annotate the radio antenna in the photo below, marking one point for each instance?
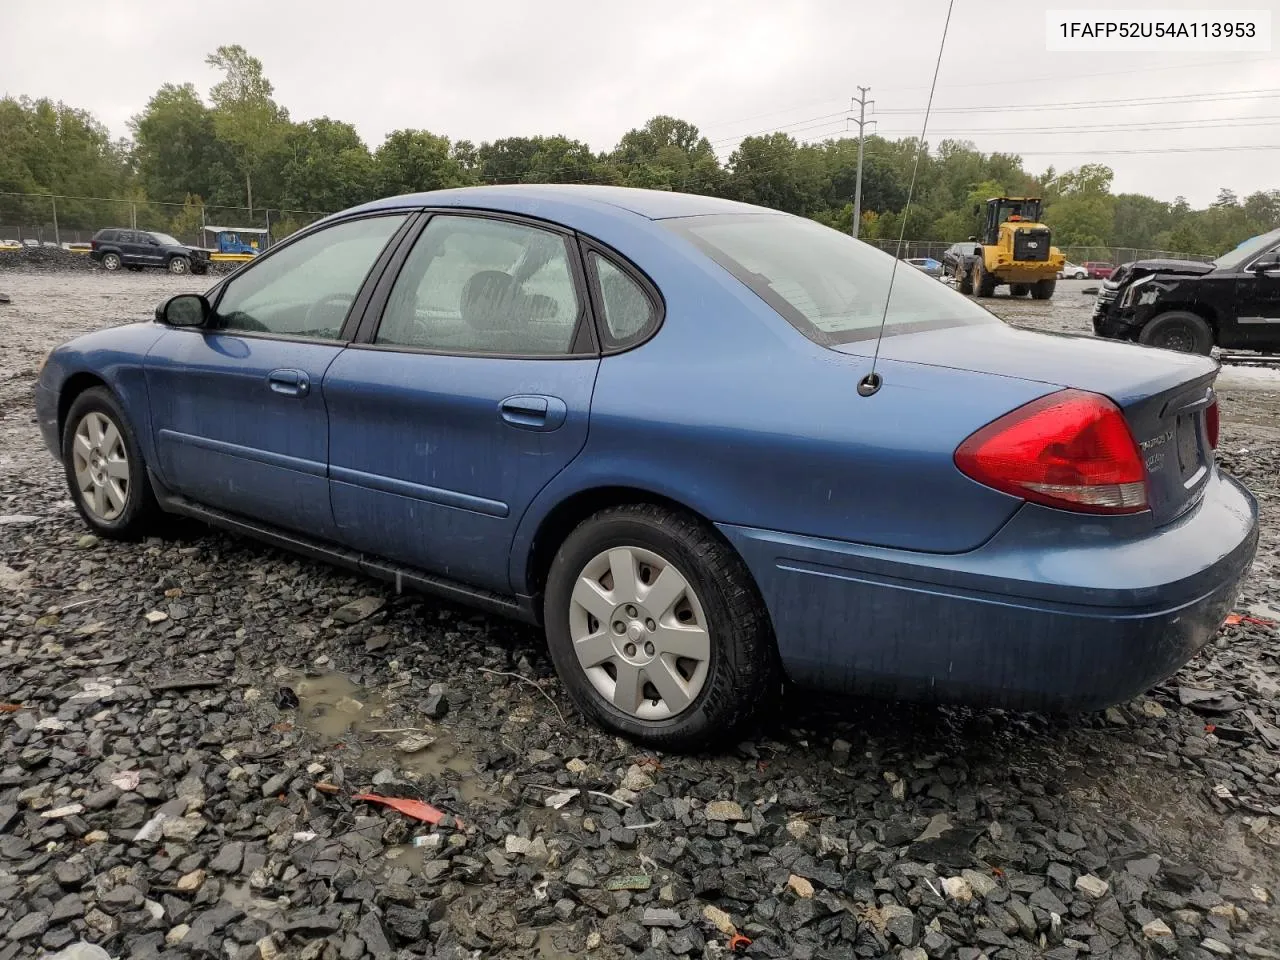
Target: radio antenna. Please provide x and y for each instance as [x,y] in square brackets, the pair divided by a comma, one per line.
[870,384]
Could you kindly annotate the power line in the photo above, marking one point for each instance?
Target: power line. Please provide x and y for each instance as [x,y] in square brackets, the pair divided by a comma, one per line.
[720,124]
[1259,94]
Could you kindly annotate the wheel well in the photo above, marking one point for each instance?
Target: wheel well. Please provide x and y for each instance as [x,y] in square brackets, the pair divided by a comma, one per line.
[75,385]
[566,515]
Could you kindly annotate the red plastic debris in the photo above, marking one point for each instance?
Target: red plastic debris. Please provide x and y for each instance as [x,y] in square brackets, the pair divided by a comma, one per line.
[410,808]
[1210,728]
[10,707]
[1235,619]
[738,943]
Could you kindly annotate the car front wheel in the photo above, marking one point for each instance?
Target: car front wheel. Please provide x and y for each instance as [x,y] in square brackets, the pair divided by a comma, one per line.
[179,265]
[1178,330]
[657,629]
[104,467]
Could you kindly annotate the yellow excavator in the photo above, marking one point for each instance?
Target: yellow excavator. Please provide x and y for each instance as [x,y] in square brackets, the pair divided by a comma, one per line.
[1015,249]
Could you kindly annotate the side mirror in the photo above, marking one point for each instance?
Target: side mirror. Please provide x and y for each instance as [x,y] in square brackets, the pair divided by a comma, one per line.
[184,310]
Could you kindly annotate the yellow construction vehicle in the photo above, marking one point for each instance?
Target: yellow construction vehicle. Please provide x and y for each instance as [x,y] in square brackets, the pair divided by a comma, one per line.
[1016,249]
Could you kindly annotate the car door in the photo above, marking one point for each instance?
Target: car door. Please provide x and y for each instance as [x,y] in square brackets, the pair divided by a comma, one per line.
[1258,302]
[471,392]
[238,407]
[131,248]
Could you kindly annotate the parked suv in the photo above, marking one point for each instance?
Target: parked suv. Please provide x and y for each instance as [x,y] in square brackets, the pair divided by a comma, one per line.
[115,248]
[1098,269]
[1186,305]
[1072,271]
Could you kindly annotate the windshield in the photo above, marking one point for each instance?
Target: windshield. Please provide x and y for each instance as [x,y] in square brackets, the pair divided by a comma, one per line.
[167,240]
[829,286]
[1246,250]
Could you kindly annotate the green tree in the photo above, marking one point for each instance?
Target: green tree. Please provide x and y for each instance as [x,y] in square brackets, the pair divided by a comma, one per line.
[176,149]
[327,167]
[244,115]
[413,160]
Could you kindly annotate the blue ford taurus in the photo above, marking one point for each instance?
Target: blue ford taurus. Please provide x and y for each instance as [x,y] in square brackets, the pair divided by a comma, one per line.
[634,417]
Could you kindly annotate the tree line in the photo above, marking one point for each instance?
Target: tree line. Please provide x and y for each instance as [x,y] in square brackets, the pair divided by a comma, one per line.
[240,148]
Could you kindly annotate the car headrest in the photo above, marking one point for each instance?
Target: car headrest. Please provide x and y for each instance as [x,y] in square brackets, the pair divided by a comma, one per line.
[490,300]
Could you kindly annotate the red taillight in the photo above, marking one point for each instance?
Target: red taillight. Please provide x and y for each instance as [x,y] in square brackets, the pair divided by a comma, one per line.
[93,244]
[1071,450]
[1211,423]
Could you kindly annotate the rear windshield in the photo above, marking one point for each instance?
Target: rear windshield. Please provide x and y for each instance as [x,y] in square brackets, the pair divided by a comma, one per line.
[829,286]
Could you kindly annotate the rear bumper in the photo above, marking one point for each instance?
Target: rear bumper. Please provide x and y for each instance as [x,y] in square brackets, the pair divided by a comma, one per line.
[1074,621]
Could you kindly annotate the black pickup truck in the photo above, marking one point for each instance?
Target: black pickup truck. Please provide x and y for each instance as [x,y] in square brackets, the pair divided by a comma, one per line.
[1185,305]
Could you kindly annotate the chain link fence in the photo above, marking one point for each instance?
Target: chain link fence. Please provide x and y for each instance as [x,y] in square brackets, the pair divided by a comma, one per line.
[52,219]
[913,249]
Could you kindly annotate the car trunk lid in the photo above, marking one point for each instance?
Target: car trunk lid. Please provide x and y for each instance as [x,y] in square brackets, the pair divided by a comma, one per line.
[1165,396]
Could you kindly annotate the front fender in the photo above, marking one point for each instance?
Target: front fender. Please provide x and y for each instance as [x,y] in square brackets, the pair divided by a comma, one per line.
[116,357]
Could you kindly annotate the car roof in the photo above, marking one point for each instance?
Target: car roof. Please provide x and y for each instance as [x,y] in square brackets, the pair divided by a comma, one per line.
[556,199]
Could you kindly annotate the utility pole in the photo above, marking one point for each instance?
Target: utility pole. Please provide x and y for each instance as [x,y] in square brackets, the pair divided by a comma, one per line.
[862,101]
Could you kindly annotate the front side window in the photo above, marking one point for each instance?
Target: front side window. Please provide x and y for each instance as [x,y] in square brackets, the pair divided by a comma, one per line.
[472,285]
[307,288]
[829,286]
[165,240]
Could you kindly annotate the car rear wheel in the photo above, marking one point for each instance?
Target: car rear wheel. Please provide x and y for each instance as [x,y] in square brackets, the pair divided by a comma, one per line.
[111,261]
[964,281]
[179,265]
[105,469]
[657,629]
[1178,330]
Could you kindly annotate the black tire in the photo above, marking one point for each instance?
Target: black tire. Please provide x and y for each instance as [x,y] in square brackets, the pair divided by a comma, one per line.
[199,269]
[1179,330]
[964,282]
[1043,289]
[1019,289]
[112,262]
[179,265]
[140,509]
[984,284]
[743,675]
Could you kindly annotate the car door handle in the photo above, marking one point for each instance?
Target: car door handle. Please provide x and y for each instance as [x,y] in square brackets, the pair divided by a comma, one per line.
[289,383]
[534,412]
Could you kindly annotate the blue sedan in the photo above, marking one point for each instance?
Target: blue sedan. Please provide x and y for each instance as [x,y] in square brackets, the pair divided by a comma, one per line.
[635,418]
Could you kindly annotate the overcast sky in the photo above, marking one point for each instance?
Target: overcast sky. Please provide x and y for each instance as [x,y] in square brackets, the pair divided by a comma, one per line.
[592,70]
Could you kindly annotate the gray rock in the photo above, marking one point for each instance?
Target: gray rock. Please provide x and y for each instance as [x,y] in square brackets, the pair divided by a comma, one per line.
[1045,900]
[662,917]
[30,925]
[406,923]
[229,857]
[374,937]
[67,908]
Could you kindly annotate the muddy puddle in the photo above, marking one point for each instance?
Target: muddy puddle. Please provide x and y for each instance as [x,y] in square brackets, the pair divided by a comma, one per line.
[332,707]
[553,944]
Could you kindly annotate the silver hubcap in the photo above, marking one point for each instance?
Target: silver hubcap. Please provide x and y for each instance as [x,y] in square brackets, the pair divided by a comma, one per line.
[177,266]
[101,466]
[639,633]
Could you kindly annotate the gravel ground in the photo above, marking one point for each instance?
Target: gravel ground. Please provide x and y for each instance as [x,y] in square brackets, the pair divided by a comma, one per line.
[186,720]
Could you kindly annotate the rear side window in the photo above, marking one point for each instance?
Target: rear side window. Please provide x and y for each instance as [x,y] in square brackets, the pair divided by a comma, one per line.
[473,285]
[629,314]
[829,286]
